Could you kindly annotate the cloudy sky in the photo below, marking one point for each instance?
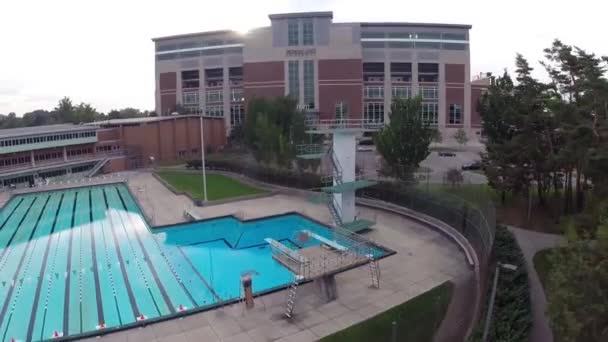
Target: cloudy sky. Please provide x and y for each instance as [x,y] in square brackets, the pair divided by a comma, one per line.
[99,51]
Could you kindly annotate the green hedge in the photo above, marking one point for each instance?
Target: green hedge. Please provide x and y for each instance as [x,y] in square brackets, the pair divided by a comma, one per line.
[512,314]
[273,175]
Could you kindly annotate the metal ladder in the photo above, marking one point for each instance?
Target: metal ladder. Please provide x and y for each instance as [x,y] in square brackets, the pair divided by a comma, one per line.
[374,270]
[333,211]
[291,296]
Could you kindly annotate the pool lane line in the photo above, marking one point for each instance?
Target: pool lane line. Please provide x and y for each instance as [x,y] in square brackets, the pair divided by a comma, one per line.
[151,266]
[10,291]
[12,212]
[66,296]
[141,270]
[241,248]
[30,328]
[136,312]
[6,248]
[198,274]
[100,315]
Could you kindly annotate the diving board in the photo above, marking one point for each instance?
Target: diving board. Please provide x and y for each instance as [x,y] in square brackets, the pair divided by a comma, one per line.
[286,250]
[330,243]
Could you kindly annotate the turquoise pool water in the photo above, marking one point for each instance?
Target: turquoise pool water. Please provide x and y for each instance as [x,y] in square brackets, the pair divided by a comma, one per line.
[84,259]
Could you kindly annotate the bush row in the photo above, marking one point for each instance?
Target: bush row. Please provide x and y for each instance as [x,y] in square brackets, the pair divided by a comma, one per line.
[512,314]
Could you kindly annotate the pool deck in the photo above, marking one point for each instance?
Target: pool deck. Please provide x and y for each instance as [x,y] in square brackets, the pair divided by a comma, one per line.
[424,259]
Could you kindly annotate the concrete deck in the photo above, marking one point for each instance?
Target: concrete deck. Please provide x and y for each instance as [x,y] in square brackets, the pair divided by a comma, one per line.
[424,259]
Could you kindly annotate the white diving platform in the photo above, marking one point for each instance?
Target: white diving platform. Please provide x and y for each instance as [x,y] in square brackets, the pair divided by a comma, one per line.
[330,243]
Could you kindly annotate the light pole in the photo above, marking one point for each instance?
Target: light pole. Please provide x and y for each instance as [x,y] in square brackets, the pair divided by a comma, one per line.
[203,161]
[486,328]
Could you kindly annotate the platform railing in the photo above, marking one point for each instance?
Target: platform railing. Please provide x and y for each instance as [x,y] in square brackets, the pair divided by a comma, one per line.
[336,124]
[310,149]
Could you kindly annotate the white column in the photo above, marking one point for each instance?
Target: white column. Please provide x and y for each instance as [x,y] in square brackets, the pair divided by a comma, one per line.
[467,105]
[442,100]
[388,93]
[65,153]
[32,158]
[226,96]
[178,88]
[344,147]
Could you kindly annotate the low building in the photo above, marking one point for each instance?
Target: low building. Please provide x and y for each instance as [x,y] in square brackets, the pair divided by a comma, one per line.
[29,155]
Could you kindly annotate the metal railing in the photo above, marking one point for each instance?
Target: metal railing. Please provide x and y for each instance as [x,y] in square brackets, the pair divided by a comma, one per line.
[310,149]
[336,124]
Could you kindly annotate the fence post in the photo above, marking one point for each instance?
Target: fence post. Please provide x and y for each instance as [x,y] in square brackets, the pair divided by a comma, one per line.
[394,332]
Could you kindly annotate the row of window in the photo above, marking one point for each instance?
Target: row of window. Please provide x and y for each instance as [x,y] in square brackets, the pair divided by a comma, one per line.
[377,92]
[48,156]
[198,54]
[415,35]
[186,153]
[293,68]
[15,161]
[80,151]
[374,112]
[192,44]
[414,45]
[46,138]
[107,148]
[192,98]
[293,32]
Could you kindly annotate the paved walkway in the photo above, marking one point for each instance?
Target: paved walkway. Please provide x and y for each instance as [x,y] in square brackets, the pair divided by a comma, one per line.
[531,242]
[424,259]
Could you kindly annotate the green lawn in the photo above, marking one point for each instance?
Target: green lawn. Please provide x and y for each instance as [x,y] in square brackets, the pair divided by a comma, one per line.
[417,320]
[218,186]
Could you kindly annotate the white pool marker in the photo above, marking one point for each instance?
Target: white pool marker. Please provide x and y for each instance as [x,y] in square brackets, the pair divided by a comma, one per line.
[57,334]
[181,308]
[14,340]
[101,325]
[141,317]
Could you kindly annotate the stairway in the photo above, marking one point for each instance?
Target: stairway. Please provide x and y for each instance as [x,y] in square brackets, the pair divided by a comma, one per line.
[334,210]
[291,296]
[98,167]
[374,270]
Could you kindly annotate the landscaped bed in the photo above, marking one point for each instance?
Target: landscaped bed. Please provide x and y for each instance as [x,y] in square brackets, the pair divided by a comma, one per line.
[416,320]
[219,187]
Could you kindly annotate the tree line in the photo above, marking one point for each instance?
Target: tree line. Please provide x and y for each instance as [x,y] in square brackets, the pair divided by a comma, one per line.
[68,112]
[549,138]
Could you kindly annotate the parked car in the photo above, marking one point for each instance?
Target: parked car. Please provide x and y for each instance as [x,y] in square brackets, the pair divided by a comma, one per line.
[476,165]
[446,154]
[365,146]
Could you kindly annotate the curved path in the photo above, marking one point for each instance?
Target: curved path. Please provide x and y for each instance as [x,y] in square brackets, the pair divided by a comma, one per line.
[531,242]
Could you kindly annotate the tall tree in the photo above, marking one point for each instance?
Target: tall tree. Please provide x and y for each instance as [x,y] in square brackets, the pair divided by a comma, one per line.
[405,141]
[64,112]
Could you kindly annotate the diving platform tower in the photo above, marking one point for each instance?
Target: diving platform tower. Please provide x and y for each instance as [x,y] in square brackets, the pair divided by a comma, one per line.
[339,194]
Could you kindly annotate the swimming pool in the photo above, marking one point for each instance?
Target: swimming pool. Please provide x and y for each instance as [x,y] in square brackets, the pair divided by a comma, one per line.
[79,260]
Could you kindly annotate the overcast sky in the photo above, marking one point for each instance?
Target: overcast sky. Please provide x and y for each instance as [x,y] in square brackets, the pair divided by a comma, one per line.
[99,51]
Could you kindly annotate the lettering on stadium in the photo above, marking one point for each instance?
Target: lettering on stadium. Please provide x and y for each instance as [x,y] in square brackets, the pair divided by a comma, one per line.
[300,52]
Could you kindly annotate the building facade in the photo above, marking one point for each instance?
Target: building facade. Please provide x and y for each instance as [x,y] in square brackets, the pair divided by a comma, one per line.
[348,70]
[29,155]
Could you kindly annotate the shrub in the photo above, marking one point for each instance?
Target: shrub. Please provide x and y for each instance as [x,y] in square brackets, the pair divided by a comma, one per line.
[512,314]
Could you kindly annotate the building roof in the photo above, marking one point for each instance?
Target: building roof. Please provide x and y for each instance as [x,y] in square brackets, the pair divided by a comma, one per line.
[398,24]
[300,15]
[140,120]
[38,130]
[196,34]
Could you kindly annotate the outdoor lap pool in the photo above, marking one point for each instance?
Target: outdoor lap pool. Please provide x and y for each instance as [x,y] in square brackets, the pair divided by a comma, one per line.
[83,259]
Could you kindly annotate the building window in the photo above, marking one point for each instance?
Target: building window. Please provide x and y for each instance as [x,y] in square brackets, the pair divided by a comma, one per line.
[214,96]
[341,110]
[236,114]
[309,84]
[455,113]
[307,33]
[402,92]
[430,112]
[429,93]
[293,34]
[214,111]
[374,112]
[182,153]
[236,95]
[190,98]
[294,89]
[190,79]
[373,92]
